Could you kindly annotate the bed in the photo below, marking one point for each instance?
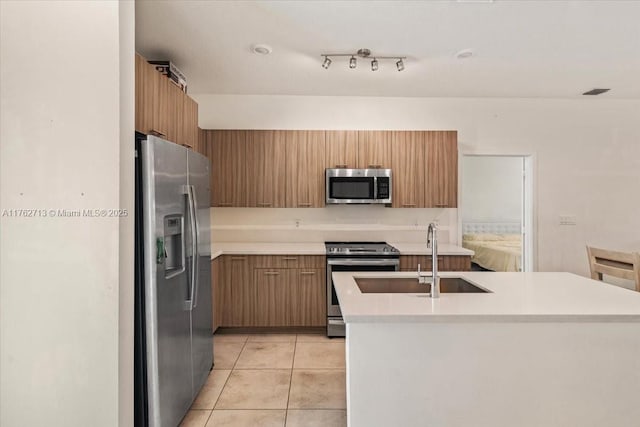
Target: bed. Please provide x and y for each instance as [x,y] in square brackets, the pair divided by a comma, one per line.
[496,246]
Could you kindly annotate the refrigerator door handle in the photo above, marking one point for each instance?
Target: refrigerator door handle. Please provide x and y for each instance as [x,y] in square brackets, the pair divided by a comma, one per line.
[196,246]
[192,226]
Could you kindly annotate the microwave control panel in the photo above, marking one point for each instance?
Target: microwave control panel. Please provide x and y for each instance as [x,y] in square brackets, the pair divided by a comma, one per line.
[383,188]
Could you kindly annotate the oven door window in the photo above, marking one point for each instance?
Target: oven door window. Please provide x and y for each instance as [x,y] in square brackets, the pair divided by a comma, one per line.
[351,188]
[334,296]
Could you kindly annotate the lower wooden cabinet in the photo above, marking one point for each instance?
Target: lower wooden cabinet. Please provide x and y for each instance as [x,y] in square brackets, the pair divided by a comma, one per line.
[309,297]
[445,262]
[273,293]
[262,291]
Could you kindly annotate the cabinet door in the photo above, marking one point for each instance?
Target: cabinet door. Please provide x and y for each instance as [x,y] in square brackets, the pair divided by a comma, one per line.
[304,169]
[218,290]
[143,97]
[227,151]
[408,169]
[308,297]
[273,296]
[189,122]
[172,113]
[266,173]
[238,278]
[151,104]
[442,169]
[341,149]
[457,263]
[374,149]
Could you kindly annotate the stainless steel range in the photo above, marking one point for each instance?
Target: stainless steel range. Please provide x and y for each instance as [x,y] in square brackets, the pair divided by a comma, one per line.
[354,256]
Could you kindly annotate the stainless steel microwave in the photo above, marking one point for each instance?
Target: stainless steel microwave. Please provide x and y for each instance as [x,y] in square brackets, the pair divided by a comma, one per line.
[358,186]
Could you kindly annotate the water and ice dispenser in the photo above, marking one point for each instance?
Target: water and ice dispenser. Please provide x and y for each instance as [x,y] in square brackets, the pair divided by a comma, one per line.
[171,246]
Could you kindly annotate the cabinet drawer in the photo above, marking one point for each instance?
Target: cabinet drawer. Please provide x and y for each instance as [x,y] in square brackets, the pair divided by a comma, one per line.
[289,261]
[445,262]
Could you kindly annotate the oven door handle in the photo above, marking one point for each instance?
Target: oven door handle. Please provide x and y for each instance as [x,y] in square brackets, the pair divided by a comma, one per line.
[362,262]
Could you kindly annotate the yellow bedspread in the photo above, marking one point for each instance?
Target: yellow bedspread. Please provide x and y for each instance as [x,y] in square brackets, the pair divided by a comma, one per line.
[497,252]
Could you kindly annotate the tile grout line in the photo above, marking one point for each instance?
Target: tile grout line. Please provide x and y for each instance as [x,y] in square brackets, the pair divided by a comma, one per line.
[293,361]
[228,376]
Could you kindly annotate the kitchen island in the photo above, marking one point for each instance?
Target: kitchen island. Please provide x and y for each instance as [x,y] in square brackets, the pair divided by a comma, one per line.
[536,349]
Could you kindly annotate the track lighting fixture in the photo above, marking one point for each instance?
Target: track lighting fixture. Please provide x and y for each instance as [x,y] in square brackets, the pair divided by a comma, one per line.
[363,53]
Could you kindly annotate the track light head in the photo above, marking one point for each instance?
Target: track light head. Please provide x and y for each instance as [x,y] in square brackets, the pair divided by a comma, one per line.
[326,62]
[352,62]
[374,65]
[400,64]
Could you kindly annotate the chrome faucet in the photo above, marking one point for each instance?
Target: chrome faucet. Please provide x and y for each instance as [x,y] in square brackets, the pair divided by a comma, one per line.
[432,242]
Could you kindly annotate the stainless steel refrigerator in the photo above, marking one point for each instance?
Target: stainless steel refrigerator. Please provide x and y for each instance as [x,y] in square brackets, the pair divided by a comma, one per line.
[173,335]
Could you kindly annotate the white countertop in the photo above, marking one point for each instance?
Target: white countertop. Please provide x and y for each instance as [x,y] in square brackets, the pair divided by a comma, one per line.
[317,248]
[519,297]
[246,248]
[421,249]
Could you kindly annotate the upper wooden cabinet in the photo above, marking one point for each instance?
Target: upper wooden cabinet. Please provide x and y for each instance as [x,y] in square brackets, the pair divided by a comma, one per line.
[162,109]
[305,152]
[278,168]
[442,169]
[266,169]
[374,149]
[227,150]
[341,149]
[408,169]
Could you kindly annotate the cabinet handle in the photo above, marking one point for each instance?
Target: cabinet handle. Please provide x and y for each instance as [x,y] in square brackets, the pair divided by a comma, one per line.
[375,166]
[271,273]
[341,166]
[157,133]
[290,258]
[238,258]
[188,146]
[408,205]
[264,204]
[304,205]
[307,273]
[223,205]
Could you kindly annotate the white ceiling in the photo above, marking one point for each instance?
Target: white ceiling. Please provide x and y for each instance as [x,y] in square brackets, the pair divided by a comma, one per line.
[522,49]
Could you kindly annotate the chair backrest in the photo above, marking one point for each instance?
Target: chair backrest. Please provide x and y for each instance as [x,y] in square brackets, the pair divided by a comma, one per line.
[625,265]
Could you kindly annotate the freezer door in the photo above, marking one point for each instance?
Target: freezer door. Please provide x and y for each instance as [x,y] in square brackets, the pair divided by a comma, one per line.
[201,314]
[167,292]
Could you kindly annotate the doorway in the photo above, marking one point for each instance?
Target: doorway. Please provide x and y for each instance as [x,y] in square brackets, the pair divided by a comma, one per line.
[496,211]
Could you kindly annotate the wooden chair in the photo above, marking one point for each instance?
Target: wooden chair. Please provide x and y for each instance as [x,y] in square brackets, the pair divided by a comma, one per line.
[624,265]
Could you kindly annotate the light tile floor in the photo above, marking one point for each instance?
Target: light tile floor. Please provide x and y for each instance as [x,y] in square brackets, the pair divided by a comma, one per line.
[279,380]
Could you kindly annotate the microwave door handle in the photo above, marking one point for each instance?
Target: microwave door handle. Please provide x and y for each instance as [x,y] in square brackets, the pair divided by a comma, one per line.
[375,187]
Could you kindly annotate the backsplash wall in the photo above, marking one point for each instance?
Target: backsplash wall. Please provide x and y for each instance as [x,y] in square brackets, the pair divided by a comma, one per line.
[342,223]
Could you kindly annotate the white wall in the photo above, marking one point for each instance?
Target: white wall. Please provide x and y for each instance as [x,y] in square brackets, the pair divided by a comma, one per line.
[65,324]
[332,223]
[586,152]
[491,189]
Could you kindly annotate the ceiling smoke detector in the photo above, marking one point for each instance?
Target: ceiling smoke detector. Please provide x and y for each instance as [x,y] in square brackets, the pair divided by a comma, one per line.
[596,91]
[261,49]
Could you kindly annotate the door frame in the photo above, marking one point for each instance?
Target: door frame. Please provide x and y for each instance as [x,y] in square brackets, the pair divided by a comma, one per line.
[529,203]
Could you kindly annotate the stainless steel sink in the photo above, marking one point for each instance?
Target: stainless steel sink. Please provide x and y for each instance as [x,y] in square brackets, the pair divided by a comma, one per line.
[410,285]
